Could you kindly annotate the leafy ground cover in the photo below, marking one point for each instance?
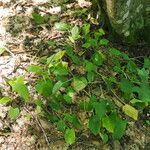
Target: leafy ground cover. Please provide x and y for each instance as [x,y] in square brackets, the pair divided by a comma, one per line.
[86,89]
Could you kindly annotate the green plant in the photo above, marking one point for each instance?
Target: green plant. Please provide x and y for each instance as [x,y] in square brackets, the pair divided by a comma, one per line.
[62,84]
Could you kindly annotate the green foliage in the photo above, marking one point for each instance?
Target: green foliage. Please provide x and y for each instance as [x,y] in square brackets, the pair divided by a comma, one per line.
[94,124]
[13,113]
[75,34]
[79,83]
[4,100]
[19,87]
[44,87]
[69,78]
[38,18]
[70,136]
[61,26]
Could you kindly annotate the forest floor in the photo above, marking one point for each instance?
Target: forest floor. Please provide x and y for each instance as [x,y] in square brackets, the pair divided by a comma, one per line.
[24,44]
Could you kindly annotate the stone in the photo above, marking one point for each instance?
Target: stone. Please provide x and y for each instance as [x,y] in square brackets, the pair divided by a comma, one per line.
[128,19]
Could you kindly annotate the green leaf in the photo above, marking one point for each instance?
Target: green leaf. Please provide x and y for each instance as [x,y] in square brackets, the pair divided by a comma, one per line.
[76,59]
[86,45]
[61,126]
[100,108]
[114,52]
[132,67]
[86,29]
[55,105]
[143,89]
[2,47]
[60,70]
[2,50]
[19,87]
[130,111]
[61,26]
[13,113]
[38,18]
[44,87]
[75,33]
[72,119]
[57,87]
[103,42]
[4,100]
[67,98]
[89,67]
[125,56]
[94,124]
[86,106]
[120,126]
[98,58]
[55,57]
[38,102]
[147,63]
[108,124]
[101,31]
[79,83]
[52,118]
[90,76]
[50,43]
[126,85]
[36,69]
[104,137]
[70,136]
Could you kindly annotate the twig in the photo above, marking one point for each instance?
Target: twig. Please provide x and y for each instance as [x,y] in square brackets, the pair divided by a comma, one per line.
[9,51]
[118,102]
[39,124]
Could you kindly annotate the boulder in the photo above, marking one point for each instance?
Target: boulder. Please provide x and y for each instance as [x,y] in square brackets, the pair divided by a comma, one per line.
[129,19]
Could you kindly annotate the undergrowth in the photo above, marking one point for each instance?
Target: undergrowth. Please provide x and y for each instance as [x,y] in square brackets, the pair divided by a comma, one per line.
[68,78]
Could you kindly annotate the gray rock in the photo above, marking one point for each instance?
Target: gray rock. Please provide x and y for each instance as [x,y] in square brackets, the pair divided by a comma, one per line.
[128,18]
